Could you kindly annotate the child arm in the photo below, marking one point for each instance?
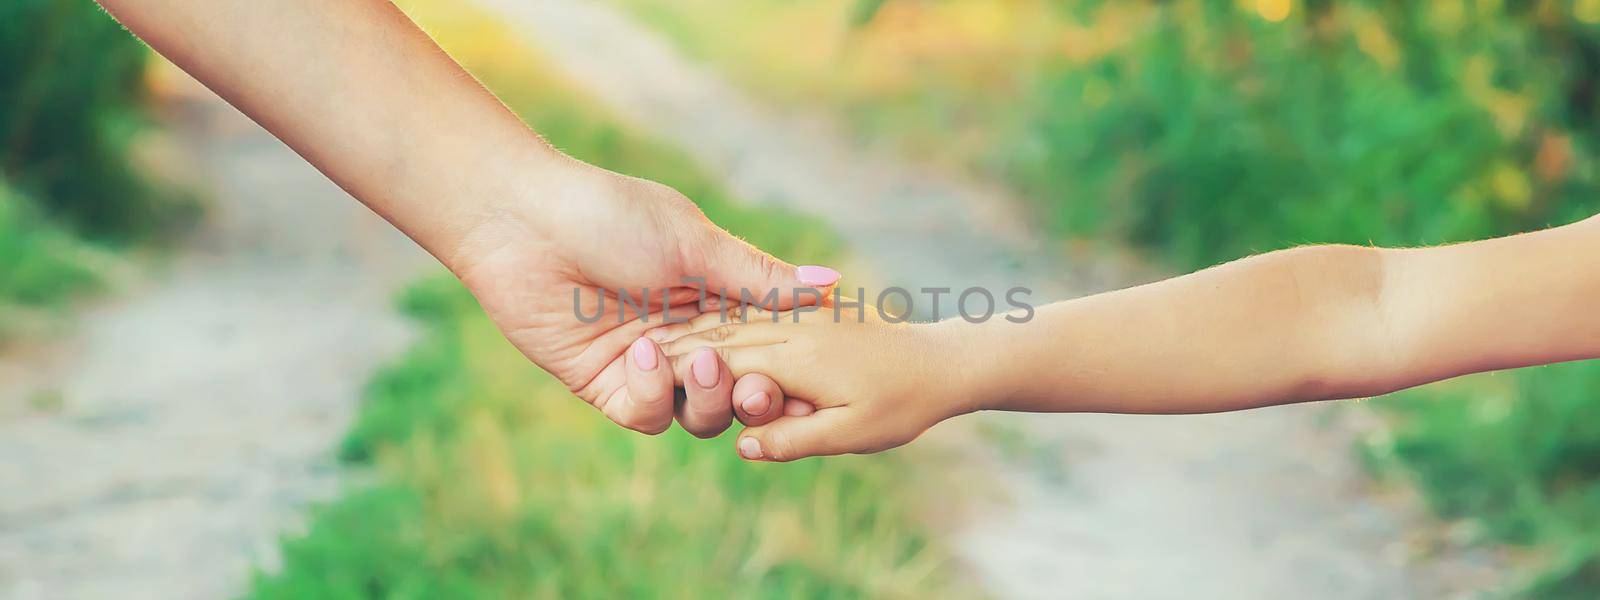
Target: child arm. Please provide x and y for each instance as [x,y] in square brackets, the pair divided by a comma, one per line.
[1311,323]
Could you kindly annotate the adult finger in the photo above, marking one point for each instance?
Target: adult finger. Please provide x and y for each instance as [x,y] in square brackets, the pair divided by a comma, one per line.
[647,403]
[738,267]
[707,409]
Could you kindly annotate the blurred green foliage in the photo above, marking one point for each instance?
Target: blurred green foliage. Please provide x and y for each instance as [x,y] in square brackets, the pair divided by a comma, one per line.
[39,262]
[1203,131]
[71,100]
[1519,453]
[495,482]
[71,104]
[1214,133]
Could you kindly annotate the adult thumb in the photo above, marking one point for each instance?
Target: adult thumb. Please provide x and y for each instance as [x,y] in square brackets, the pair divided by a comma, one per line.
[745,272]
[823,433]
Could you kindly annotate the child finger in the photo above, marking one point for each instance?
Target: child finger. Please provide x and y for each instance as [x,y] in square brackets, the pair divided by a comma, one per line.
[740,360]
[730,334]
[700,322]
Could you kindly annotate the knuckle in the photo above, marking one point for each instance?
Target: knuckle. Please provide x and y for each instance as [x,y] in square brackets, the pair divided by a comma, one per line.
[706,407]
[642,424]
[769,267]
[704,425]
[653,398]
[706,433]
[721,333]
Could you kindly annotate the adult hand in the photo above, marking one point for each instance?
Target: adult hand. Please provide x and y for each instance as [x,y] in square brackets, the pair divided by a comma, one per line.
[592,232]
[369,99]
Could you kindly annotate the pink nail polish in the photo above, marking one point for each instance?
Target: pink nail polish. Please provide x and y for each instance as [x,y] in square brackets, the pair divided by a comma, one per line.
[750,448]
[757,404]
[813,275]
[644,354]
[705,368]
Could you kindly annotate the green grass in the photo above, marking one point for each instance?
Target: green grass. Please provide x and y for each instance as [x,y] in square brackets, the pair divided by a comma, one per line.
[494,481]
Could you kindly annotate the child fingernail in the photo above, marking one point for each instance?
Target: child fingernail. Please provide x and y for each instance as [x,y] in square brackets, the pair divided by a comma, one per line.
[817,276]
[750,448]
[705,368]
[757,404]
[644,354]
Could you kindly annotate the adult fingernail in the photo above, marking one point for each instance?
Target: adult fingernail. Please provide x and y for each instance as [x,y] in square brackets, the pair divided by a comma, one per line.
[757,404]
[817,276]
[750,448]
[644,354]
[658,334]
[705,368]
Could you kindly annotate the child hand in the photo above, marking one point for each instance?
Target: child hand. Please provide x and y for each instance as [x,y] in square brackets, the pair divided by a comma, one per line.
[875,385]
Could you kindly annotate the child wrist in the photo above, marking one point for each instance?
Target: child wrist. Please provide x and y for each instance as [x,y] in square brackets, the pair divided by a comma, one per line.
[970,365]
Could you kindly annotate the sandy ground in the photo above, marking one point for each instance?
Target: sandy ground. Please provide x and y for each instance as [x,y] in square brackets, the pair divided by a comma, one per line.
[1263,504]
[160,449]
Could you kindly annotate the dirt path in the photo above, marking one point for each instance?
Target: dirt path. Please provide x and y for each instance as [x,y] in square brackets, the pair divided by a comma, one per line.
[1265,504]
[196,417]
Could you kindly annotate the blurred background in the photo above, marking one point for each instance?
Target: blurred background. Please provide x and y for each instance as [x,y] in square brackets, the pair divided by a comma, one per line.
[219,376]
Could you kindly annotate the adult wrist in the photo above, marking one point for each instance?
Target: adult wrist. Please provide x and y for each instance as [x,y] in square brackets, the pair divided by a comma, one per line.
[514,198]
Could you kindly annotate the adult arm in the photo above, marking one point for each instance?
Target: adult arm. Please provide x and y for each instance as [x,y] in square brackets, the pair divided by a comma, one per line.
[372,102]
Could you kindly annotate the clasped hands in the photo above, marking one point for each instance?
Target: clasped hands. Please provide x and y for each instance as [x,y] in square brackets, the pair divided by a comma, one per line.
[590,232]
